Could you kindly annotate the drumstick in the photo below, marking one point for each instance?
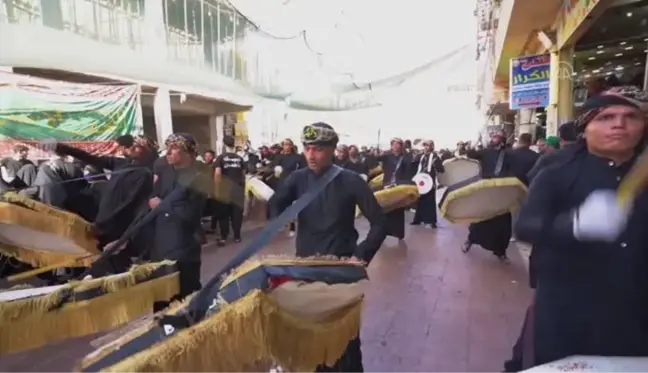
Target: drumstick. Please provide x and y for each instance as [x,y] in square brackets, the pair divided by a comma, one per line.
[38,271]
[635,181]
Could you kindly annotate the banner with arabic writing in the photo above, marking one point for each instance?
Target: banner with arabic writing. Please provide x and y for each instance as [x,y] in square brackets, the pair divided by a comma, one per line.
[90,116]
[530,82]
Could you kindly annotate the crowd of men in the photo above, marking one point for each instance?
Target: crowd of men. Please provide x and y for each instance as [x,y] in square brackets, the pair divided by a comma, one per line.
[588,265]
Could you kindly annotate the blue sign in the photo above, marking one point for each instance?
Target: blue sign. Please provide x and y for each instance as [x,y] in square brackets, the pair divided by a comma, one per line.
[529,82]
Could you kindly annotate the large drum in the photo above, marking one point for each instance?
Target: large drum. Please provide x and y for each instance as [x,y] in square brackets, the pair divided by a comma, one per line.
[377,182]
[33,317]
[257,195]
[296,312]
[41,235]
[458,170]
[396,197]
[476,199]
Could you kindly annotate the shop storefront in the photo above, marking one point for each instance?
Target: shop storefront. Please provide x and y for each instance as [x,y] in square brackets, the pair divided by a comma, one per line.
[599,44]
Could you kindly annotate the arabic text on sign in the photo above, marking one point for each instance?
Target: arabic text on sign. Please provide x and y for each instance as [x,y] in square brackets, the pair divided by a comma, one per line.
[534,76]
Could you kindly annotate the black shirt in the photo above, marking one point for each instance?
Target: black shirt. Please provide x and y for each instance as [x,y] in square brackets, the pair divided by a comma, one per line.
[327,225]
[232,166]
[289,163]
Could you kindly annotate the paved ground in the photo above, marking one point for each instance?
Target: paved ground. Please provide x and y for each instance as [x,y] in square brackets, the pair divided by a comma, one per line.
[430,307]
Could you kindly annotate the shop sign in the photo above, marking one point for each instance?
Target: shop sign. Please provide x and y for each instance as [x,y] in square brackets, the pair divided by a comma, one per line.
[529,82]
[573,14]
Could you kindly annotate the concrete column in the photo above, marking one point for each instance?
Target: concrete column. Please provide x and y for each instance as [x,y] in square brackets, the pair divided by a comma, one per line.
[218,135]
[561,96]
[213,133]
[162,113]
[155,37]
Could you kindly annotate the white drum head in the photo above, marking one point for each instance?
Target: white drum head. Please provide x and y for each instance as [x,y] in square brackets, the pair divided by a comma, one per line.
[483,202]
[424,183]
[260,189]
[10,295]
[364,177]
[457,170]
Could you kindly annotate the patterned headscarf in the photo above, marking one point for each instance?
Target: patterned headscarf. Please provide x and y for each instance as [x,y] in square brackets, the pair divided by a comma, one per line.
[397,139]
[146,143]
[625,96]
[183,141]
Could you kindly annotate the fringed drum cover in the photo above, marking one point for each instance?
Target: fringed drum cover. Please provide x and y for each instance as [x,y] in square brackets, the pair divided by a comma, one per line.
[30,318]
[396,197]
[41,235]
[295,312]
[475,200]
[377,182]
[458,170]
[375,171]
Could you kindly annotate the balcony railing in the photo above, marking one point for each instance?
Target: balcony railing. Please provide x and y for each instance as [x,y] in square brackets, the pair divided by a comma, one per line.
[204,34]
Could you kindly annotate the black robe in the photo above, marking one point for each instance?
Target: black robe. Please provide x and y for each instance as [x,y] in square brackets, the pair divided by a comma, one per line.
[426,206]
[357,166]
[327,227]
[397,170]
[493,234]
[591,297]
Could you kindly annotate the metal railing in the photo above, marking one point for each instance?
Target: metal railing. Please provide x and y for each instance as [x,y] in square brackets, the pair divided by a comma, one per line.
[204,34]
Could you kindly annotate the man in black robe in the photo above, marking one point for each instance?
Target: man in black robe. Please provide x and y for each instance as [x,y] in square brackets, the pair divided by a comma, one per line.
[327,225]
[176,226]
[17,170]
[356,163]
[592,251]
[568,136]
[284,164]
[493,234]
[428,163]
[523,157]
[397,169]
[125,193]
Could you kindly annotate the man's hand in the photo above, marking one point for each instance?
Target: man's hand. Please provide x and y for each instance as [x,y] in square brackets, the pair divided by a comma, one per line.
[154,202]
[355,260]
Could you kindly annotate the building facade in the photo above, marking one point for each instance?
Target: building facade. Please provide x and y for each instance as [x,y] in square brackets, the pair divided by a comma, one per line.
[183,53]
[570,36]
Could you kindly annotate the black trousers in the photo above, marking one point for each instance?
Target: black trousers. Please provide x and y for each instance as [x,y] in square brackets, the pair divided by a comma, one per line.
[426,209]
[189,273]
[351,360]
[230,214]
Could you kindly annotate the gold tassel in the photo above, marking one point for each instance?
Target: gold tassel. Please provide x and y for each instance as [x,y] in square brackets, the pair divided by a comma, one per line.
[28,323]
[36,216]
[249,335]
[38,259]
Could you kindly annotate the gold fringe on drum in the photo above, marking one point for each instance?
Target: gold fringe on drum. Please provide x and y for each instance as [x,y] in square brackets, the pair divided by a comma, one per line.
[41,235]
[299,324]
[104,304]
[377,182]
[395,197]
[251,333]
[375,171]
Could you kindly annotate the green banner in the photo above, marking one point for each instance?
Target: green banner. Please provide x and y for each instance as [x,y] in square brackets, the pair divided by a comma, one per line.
[33,109]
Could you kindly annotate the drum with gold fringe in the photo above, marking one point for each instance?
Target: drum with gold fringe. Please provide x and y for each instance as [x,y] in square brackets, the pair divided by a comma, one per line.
[396,197]
[295,312]
[476,199]
[41,235]
[33,317]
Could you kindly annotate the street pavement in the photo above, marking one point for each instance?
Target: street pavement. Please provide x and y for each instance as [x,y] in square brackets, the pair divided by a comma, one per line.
[430,307]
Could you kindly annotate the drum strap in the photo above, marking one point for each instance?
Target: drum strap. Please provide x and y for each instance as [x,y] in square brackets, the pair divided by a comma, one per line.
[500,163]
[202,301]
[392,179]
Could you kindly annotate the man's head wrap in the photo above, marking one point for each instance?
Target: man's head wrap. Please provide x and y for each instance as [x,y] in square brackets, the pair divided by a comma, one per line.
[319,134]
[183,141]
[146,143]
[618,96]
[397,139]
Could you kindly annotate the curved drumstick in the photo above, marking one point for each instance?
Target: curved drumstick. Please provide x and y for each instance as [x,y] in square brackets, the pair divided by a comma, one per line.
[635,181]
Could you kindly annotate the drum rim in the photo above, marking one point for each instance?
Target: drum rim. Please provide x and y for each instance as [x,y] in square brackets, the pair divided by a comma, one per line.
[468,189]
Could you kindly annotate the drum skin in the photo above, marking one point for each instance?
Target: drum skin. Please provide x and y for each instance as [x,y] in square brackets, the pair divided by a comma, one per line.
[396,197]
[475,200]
[41,235]
[257,194]
[458,170]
